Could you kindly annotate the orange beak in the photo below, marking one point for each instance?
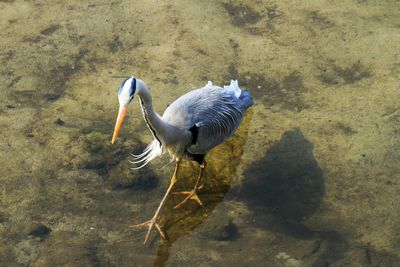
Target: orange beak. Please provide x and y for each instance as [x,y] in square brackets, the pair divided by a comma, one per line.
[120,119]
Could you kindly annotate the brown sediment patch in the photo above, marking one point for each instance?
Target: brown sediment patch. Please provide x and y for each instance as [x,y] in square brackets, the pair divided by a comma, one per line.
[7,56]
[14,81]
[94,61]
[24,97]
[353,73]
[234,44]
[59,75]
[242,14]
[319,19]
[115,45]
[51,29]
[286,93]
[379,258]
[255,22]
[104,156]
[246,17]
[3,217]
[344,128]
[45,32]
[332,74]
[33,38]
[106,160]
[53,82]
[273,13]
[173,80]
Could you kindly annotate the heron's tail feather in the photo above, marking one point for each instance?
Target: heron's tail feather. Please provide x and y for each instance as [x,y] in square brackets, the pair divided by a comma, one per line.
[234,86]
[152,151]
[244,98]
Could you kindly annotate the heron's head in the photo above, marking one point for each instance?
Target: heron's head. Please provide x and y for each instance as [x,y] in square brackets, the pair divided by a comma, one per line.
[126,93]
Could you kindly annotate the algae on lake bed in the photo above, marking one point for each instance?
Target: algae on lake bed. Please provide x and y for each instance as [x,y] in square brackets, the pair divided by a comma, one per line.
[311,178]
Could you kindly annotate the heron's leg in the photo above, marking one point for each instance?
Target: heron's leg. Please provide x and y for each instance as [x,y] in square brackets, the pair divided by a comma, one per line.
[193,194]
[153,221]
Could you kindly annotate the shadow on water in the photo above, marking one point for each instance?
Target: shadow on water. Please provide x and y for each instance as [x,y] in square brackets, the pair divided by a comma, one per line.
[221,168]
[287,186]
[293,184]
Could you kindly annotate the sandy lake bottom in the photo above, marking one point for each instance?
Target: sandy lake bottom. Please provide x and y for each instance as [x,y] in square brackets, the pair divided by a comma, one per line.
[311,178]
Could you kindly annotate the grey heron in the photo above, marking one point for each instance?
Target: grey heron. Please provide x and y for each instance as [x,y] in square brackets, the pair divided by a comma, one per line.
[189,128]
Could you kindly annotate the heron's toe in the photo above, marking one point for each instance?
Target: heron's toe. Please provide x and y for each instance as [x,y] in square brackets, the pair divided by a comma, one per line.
[190,195]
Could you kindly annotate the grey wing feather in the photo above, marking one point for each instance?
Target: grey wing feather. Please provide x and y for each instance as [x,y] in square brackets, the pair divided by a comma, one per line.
[216,125]
[215,111]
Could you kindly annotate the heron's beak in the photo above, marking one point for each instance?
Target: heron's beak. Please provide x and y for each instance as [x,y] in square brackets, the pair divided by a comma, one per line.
[120,119]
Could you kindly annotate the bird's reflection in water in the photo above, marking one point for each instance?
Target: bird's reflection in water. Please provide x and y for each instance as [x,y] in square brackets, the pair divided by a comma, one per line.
[222,165]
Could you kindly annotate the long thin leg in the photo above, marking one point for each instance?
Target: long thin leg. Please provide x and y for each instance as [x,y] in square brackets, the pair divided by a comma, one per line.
[193,194]
[153,221]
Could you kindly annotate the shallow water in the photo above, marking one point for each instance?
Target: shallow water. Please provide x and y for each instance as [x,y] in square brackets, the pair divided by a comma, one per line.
[310,179]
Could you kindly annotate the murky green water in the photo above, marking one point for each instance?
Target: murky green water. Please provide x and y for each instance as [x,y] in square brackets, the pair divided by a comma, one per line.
[311,178]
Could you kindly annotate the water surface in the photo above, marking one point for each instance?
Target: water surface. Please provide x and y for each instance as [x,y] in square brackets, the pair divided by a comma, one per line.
[310,179]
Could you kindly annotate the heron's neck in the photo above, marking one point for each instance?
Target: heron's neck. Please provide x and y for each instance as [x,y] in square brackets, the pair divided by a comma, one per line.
[156,124]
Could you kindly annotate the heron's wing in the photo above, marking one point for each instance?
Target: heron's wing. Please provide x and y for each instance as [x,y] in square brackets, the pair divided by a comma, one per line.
[215,113]
[216,123]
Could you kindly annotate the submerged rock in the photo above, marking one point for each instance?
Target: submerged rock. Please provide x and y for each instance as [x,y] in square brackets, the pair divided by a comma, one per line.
[228,232]
[59,122]
[40,230]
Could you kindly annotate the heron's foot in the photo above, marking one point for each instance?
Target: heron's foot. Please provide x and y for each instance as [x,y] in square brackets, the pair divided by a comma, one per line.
[150,224]
[190,195]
